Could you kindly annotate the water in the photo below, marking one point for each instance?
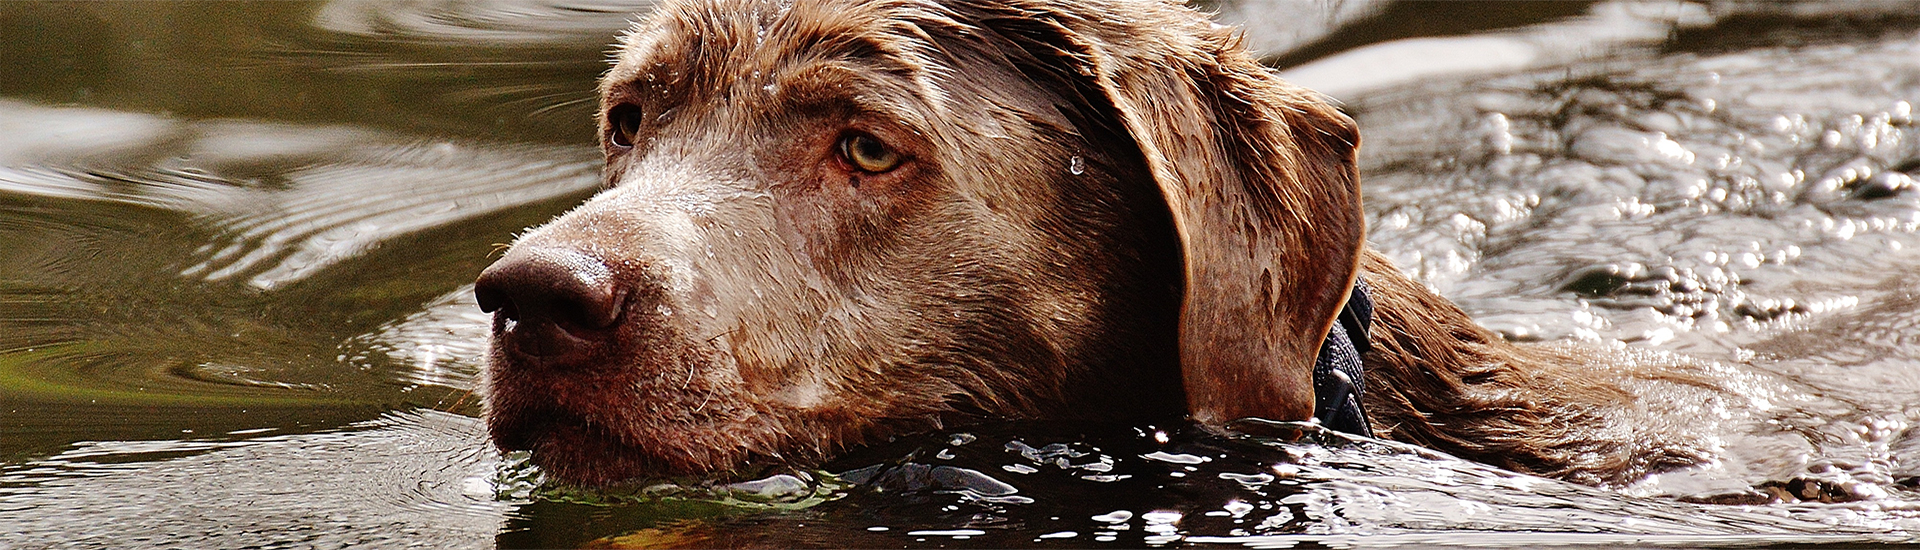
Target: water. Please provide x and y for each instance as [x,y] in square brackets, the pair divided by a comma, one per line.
[236,241]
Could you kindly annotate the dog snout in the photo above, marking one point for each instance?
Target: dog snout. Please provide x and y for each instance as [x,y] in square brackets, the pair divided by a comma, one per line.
[551,304]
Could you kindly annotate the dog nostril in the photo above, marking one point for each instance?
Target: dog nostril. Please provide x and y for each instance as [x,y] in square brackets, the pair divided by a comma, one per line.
[494,300]
[565,288]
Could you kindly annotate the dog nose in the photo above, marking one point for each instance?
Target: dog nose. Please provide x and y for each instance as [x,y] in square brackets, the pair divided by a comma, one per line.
[550,302]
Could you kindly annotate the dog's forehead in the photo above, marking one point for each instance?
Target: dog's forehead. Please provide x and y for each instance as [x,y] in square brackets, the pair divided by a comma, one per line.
[694,46]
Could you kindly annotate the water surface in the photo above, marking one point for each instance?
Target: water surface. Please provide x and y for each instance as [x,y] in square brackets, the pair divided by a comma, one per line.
[237,239]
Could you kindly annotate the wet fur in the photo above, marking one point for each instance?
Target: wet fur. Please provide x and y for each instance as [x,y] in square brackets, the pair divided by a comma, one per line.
[1188,262]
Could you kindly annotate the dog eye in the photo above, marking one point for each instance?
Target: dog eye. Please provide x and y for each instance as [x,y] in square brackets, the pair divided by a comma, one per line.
[868,154]
[625,120]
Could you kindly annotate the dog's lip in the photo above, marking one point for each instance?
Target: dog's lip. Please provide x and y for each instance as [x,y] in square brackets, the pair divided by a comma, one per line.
[544,343]
[540,339]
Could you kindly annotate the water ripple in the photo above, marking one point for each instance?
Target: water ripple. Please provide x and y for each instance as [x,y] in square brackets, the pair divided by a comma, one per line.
[287,201]
[444,344]
[406,480]
[487,21]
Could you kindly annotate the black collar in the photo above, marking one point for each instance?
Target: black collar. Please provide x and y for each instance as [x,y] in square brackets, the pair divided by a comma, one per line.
[1339,376]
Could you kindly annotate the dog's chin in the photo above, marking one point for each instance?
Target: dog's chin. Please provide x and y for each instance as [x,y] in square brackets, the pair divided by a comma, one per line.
[585,449]
[580,453]
[573,451]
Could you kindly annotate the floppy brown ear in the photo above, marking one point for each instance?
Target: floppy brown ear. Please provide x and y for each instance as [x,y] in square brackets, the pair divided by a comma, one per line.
[1261,180]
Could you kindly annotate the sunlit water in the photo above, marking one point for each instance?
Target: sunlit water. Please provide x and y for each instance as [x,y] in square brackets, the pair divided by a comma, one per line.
[236,239]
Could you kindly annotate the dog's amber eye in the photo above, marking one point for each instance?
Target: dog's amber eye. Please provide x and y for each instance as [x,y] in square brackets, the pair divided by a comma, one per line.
[867,154]
[625,120]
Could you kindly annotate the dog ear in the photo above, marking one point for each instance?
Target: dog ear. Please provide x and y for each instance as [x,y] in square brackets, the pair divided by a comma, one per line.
[1261,180]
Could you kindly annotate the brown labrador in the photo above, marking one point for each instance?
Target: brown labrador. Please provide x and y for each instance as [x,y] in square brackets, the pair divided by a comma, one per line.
[830,221]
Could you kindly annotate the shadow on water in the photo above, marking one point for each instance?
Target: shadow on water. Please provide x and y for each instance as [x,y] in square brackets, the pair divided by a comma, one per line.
[237,241]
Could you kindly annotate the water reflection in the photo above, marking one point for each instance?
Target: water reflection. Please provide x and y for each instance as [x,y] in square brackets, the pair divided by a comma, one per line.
[490,22]
[1719,205]
[443,345]
[418,476]
[287,201]
[271,205]
[408,477]
[1165,486]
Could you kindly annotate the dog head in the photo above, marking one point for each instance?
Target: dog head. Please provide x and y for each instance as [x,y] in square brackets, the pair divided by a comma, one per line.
[827,221]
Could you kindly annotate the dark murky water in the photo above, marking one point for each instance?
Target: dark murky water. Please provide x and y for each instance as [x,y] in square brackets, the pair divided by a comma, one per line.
[236,239]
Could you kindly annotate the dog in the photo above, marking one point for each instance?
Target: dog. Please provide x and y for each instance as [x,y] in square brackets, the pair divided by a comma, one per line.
[829,222]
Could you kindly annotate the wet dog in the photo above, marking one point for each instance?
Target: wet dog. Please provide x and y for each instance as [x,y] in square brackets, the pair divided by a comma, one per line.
[830,221]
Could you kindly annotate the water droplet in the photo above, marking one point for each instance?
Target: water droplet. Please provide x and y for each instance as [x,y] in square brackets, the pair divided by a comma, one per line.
[1077,165]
